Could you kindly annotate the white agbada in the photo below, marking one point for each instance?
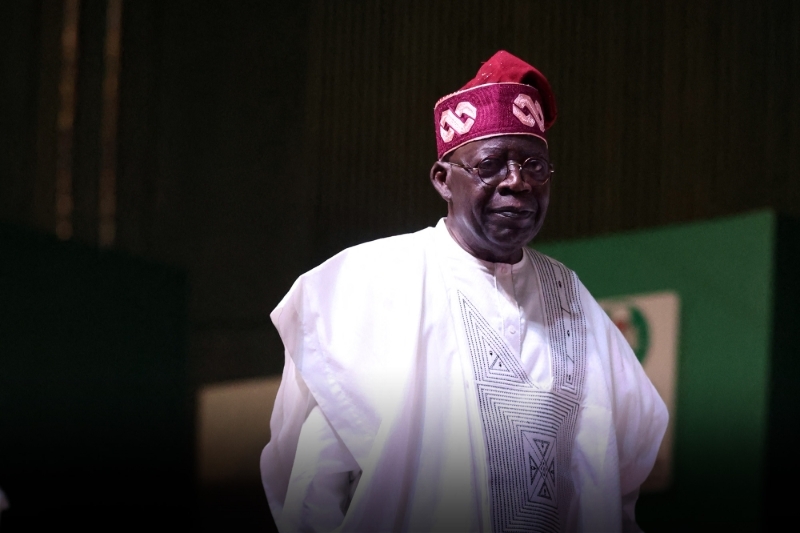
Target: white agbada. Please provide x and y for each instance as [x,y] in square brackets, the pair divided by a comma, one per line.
[427,390]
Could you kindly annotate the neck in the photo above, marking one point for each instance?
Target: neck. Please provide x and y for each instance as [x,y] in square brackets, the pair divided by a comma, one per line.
[511,256]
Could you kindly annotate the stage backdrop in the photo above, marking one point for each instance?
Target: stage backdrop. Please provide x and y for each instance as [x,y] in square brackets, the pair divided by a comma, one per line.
[708,309]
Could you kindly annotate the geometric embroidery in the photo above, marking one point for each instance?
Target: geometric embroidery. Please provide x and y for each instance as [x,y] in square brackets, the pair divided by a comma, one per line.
[542,463]
[529,431]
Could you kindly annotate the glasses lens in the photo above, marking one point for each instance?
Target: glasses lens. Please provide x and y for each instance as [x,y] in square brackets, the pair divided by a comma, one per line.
[536,170]
[494,170]
[491,167]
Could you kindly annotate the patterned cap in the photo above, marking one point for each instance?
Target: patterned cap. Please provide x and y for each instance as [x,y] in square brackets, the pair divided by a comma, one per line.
[507,97]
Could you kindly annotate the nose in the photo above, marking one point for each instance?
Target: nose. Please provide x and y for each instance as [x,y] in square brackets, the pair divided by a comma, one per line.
[513,179]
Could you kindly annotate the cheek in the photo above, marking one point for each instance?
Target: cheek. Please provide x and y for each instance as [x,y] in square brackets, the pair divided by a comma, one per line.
[479,209]
[543,199]
[468,202]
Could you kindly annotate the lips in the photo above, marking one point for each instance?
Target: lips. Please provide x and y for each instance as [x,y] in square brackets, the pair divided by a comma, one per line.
[513,212]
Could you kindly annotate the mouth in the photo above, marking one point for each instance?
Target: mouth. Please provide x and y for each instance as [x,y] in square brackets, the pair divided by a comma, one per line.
[516,213]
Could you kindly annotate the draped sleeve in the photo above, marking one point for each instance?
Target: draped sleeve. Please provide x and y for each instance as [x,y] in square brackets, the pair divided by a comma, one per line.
[350,328]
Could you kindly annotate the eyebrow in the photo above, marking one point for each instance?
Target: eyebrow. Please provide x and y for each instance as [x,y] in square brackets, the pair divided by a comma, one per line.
[481,155]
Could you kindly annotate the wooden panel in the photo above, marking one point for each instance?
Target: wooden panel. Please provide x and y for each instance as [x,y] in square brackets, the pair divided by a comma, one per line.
[210,173]
[30,62]
[88,118]
[20,71]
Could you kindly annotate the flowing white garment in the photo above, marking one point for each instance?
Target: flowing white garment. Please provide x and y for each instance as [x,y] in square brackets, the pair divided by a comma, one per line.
[426,390]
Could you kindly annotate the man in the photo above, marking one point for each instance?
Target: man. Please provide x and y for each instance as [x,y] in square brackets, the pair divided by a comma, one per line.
[454,379]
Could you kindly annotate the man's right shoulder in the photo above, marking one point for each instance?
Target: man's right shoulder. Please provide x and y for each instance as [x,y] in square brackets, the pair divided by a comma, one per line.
[370,272]
[382,254]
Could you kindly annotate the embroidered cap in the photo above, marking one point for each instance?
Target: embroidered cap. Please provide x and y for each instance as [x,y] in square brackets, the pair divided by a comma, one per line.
[507,97]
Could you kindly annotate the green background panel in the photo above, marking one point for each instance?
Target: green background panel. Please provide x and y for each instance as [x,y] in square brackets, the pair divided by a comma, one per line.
[722,271]
[96,411]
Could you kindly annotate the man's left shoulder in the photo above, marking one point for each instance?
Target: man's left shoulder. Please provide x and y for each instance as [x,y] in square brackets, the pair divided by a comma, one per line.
[546,258]
[587,301]
[542,259]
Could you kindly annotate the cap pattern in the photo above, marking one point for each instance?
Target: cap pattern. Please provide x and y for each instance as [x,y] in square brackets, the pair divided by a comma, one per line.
[506,97]
[486,111]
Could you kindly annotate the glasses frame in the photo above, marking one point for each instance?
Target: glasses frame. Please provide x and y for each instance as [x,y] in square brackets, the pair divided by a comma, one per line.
[509,162]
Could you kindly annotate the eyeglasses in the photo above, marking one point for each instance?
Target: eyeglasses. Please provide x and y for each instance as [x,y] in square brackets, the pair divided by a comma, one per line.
[493,171]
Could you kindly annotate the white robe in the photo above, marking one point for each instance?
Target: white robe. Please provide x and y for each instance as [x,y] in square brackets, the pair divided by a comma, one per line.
[426,390]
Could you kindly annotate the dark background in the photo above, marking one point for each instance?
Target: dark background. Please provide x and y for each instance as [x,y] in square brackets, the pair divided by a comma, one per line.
[257,138]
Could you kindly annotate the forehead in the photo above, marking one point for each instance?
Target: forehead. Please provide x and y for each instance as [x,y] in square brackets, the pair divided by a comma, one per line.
[512,146]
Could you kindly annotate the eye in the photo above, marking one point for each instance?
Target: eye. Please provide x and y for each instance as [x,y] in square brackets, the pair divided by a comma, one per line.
[535,166]
[490,166]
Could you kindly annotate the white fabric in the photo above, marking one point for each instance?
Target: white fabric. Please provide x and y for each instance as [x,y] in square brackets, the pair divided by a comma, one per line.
[378,384]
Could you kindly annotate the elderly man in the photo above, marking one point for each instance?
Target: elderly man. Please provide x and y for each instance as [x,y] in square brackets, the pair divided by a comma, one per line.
[454,379]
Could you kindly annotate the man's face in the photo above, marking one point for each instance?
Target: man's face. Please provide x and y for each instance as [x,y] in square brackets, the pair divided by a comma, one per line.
[493,223]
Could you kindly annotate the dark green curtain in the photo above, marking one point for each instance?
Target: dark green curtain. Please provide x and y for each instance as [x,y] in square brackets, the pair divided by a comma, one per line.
[669,111]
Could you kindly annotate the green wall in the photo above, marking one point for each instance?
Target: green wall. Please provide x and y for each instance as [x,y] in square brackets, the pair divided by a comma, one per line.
[722,271]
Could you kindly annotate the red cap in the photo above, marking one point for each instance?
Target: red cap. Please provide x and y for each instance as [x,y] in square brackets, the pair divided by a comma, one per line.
[507,97]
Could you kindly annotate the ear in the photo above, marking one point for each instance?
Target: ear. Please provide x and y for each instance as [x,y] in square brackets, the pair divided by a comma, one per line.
[439,174]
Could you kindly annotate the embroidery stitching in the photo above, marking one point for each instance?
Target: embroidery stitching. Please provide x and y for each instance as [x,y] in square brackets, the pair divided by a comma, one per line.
[453,119]
[522,102]
[529,432]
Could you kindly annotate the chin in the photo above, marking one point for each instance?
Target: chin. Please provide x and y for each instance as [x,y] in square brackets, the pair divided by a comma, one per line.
[513,231]
[514,238]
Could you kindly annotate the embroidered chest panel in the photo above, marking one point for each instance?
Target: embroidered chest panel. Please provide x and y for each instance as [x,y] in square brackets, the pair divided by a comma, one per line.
[529,432]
